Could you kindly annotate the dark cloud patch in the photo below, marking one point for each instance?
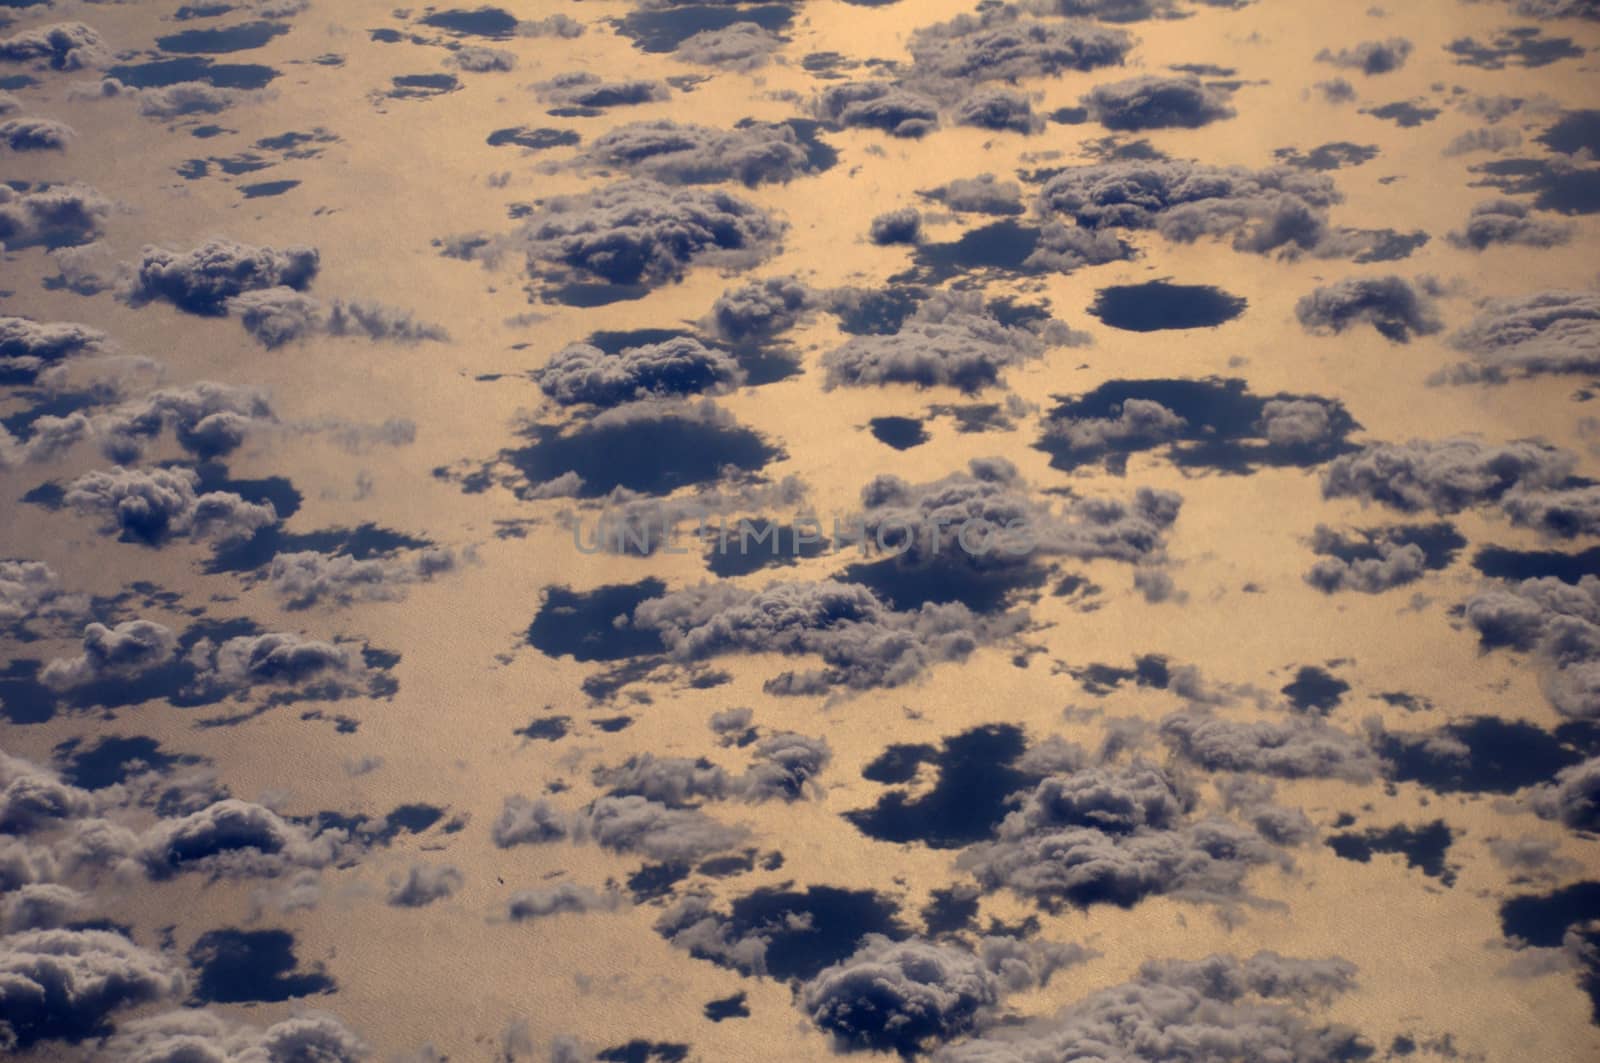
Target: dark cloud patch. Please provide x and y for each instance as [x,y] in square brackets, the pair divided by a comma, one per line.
[664,27]
[903,226]
[1541,333]
[238,966]
[1424,848]
[1374,560]
[1505,221]
[67,984]
[201,281]
[1370,57]
[900,433]
[1403,113]
[172,73]
[51,216]
[874,311]
[1315,689]
[113,759]
[1198,423]
[485,21]
[742,46]
[591,626]
[1158,305]
[1542,920]
[724,1008]
[780,932]
[1481,754]
[28,347]
[760,544]
[581,374]
[752,152]
[641,1051]
[1574,132]
[1561,185]
[1000,110]
[62,46]
[1523,46]
[240,37]
[976,778]
[1558,621]
[1150,102]
[582,94]
[541,139]
[1573,797]
[1332,156]
[1500,562]
[1001,46]
[421,86]
[35,134]
[654,447]
[1391,304]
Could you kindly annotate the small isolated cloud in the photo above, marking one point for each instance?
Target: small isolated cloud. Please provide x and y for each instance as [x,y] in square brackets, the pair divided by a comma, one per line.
[1374,560]
[1370,57]
[999,109]
[51,217]
[202,280]
[423,884]
[903,226]
[758,310]
[1505,221]
[582,89]
[1150,102]
[28,347]
[1391,304]
[582,374]
[524,821]
[567,897]
[984,194]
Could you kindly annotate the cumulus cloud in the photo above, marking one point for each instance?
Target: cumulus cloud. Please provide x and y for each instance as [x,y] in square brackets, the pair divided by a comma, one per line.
[1294,748]
[153,506]
[862,641]
[478,59]
[582,374]
[1546,332]
[644,233]
[1394,306]
[1558,621]
[31,594]
[635,824]
[1445,476]
[306,578]
[1505,221]
[984,194]
[63,984]
[741,46]
[279,315]
[199,1034]
[125,651]
[207,419]
[287,664]
[27,347]
[422,884]
[952,340]
[35,134]
[901,996]
[524,821]
[901,226]
[783,769]
[61,46]
[580,88]
[758,310]
[1375,560]
[1370,57]
[1254,1008]
[753,153]
[998,109]
[567,897]
[1574,797]
[1001,46]
[1150,102]
[881,105]
[234,838]
[202,280]
[51,216]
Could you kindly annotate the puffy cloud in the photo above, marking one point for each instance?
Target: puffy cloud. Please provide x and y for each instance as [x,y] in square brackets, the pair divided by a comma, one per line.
[952,340]
[580,88]
[1000,109]
[35,134]
[1574,797]
[28,346]
[422,884]
[632,823]
[306,578]
[901,226]
[581,374]
[290,665]
[1296,748]
[673,781]
[1020,964]
[1489,138]
[1561,621]
[1375,560]
[1556,513]
[1390,304]
[203,1036]
[65,984]
[984,194]
[862,641]
[31,593]
[1445,475]
[1149,102]
[155,505]
[1505,221]
[644,232]
[677,153]
[35,799]
[757,310]
[207,419]
[234,838]
[279,315]
[1370,57]
[881,105]
[784,767]
[528,822]
[900,995]
[1181,1009]
[62,46]
[54,216]
[1000,46]
[567,897]
[125,651]
[741,46]
[478,59]
[202,280]
[1554,331]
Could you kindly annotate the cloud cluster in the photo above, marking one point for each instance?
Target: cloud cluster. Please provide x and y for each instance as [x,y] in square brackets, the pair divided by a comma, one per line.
[1394,306]
[1546,332]
[634,824]
[758,310]
[998,109]
[153,506]
[61,46]
[1574,797]
[1176,1009]
[35,134]
[204,279]
[28,347]
[677,153]
[1446,475]
[1561,622]
[953,339]
[305,578]
[898,111]
[279,315]
[740,46]
[1154,102]
[1375,560]
[64,984]
[1295,748]
[1370,57]
[1505,221]
[31,594]
[1001,46]
[581,374]
[863,642]
[52,216]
